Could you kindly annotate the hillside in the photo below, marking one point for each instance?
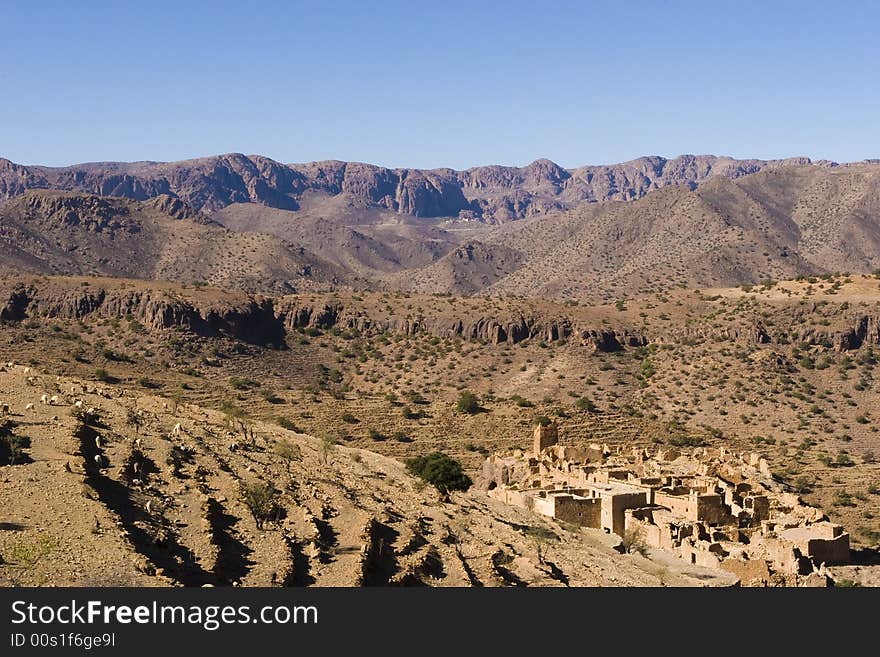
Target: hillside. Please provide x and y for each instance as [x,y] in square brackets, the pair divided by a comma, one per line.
[770,225]
[55,232]
[787,370]
[365,241]
[137,490]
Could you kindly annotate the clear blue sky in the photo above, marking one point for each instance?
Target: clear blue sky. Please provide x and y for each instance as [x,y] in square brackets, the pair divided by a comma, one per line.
[438,84]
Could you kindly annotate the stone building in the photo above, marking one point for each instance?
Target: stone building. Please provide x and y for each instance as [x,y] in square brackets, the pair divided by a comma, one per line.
[710,507]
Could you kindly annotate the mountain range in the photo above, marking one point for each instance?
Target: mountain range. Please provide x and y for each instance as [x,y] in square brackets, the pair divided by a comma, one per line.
[493,194]
[594,232]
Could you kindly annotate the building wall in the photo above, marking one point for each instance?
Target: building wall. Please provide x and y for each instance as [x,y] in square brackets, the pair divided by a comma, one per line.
[613,507]
[754,572]
[759,507]
[544,437]
[678,504]
[710,509]
[831,552]
[543,505]
[782,555]
[581,511]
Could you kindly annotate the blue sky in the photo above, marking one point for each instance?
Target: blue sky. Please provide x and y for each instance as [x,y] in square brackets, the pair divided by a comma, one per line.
[438,84]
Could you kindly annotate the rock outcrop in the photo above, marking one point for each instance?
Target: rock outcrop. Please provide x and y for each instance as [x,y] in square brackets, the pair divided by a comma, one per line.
[266,320]
[250,319]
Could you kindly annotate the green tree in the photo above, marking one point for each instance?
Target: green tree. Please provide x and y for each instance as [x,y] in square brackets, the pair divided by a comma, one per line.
[440,470]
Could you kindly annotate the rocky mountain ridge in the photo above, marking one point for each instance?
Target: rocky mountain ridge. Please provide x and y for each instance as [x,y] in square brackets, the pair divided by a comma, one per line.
[491,194]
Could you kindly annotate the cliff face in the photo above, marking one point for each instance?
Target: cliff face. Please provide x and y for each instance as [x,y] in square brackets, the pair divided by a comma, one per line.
[268,320]
[250,319]
[493,194]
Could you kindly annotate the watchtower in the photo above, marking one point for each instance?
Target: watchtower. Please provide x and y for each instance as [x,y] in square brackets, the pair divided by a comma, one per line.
[546,435]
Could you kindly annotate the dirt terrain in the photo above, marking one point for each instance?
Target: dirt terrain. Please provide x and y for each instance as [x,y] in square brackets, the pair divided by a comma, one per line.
[125,496]
[787,370]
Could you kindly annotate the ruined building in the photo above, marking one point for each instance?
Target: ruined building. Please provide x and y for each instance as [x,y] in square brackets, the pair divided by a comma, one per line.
[708,506]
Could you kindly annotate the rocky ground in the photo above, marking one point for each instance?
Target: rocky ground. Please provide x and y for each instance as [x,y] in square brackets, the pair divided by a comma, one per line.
[786,369]
[121,497]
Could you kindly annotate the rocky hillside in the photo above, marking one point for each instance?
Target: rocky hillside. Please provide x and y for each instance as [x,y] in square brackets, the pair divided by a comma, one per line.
[789,370]
[774,224]
[370,242]
[137,490]
[162,238]
[267,320]
[492,194]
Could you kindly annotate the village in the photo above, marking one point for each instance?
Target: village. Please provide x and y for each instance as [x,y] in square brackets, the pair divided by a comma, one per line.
[708,506]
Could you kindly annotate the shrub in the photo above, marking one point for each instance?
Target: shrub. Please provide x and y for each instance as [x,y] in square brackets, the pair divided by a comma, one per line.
[634,541]
[802,485]
[410,414]
[468,403]
[686,441]
[259,498]
[11,446]
[586,404]
[271,397]
[416,398]
[327,445]
[439,470]
[136,326]
[288,452]
[240,383]
[109,354]
[286,423]
[134,419]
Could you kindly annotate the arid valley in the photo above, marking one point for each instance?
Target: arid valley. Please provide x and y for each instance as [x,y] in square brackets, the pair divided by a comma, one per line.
[231,371]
